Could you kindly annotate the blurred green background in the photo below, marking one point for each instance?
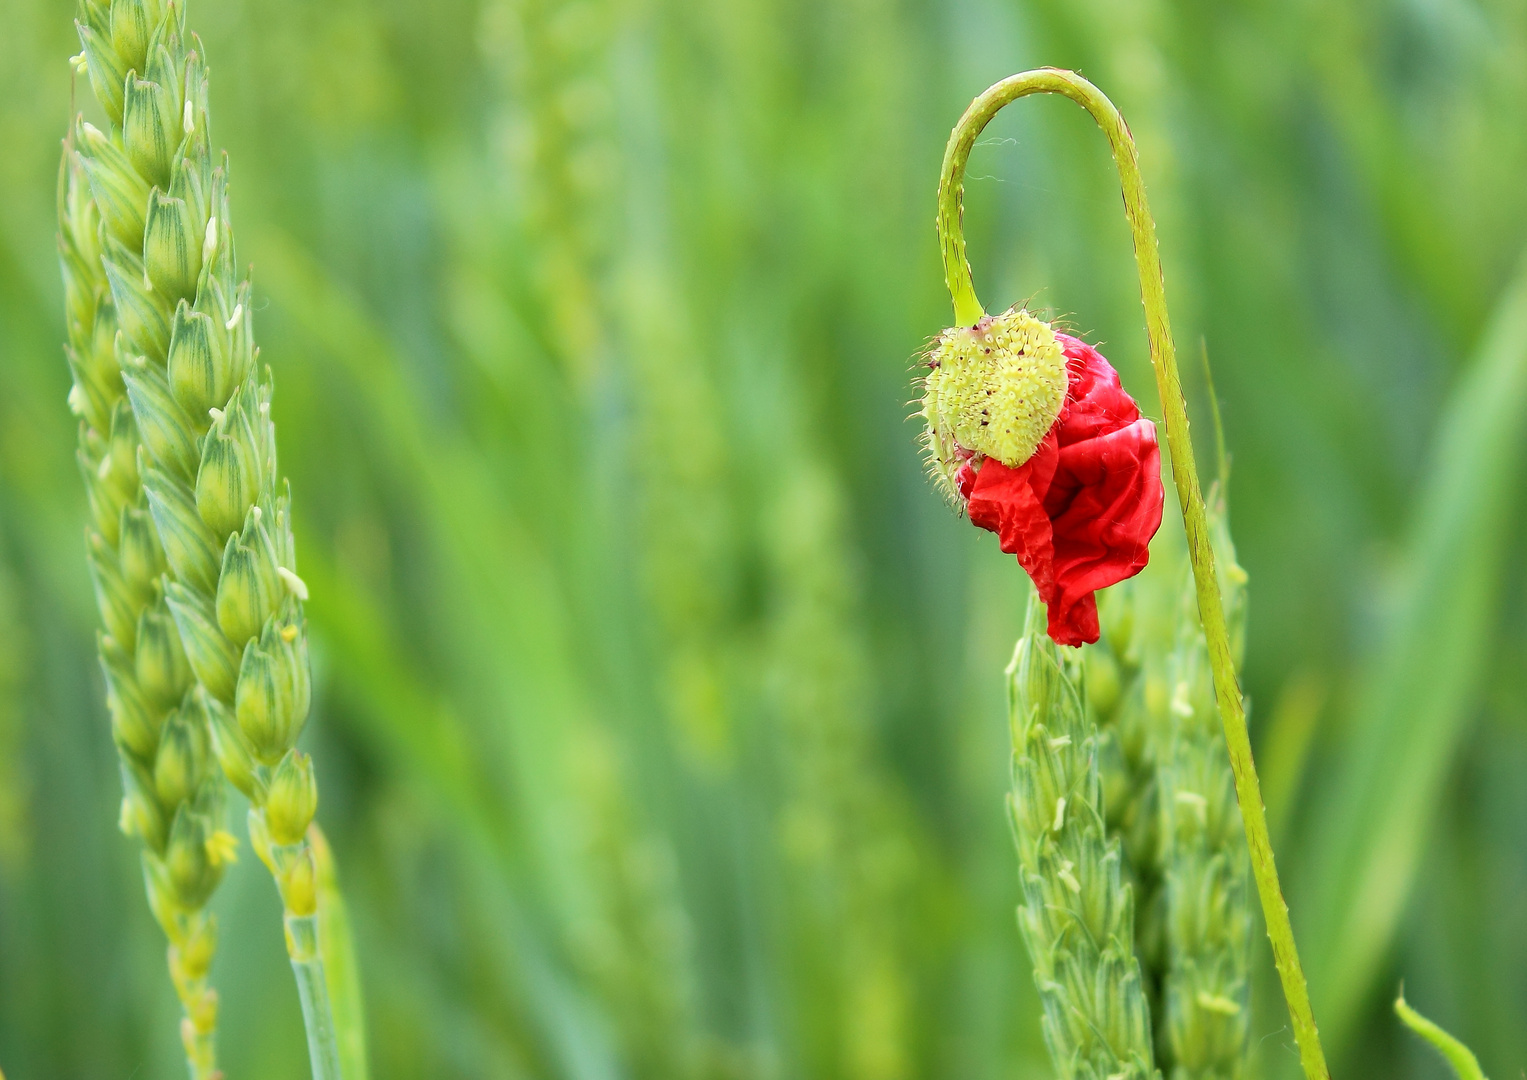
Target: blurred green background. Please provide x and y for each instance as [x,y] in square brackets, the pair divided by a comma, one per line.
[659,706]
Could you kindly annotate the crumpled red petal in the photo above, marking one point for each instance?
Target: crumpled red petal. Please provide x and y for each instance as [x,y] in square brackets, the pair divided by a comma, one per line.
[1080,513]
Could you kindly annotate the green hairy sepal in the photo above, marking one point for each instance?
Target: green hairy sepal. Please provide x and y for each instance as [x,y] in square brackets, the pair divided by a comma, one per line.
[1078,913]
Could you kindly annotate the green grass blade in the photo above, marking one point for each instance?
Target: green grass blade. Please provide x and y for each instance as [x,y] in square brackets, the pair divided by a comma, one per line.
[1371,827]
[1459,1056]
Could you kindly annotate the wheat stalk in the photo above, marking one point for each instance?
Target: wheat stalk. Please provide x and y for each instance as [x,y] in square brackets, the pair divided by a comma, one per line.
[1077,916]
[211,510]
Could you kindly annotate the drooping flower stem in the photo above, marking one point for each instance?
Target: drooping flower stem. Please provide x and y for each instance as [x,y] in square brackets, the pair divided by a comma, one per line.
[1184,474]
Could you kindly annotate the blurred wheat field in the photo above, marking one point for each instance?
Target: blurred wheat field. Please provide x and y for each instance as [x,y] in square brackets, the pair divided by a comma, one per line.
[658,701]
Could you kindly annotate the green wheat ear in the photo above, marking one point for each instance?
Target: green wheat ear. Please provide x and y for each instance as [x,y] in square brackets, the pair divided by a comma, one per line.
[1205,865]
[1077,916]
[1127,695]
[1170,795]
[173,794]
[206,647]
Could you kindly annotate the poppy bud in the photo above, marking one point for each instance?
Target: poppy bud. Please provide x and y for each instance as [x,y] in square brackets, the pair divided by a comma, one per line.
[188,544]
[214,660]
[1079,508]
[159,661]
[1104,682]
[292,799]
[993,389]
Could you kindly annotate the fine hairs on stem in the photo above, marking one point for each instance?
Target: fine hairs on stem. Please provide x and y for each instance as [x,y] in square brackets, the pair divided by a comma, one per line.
[207,544]
[1184,474]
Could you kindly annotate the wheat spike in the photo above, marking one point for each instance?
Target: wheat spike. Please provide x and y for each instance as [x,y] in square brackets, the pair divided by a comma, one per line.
[173,794]
[1077,915]
[1204,863]
[192,533]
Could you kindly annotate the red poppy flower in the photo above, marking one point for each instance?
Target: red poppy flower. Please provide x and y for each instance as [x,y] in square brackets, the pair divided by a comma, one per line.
[1079,513]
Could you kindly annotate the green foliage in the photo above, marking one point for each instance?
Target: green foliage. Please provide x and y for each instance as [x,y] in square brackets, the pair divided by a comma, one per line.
[587,618]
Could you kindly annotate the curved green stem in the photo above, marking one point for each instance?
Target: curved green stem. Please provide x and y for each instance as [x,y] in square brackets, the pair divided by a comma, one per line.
[1459,1056]
[967,310]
